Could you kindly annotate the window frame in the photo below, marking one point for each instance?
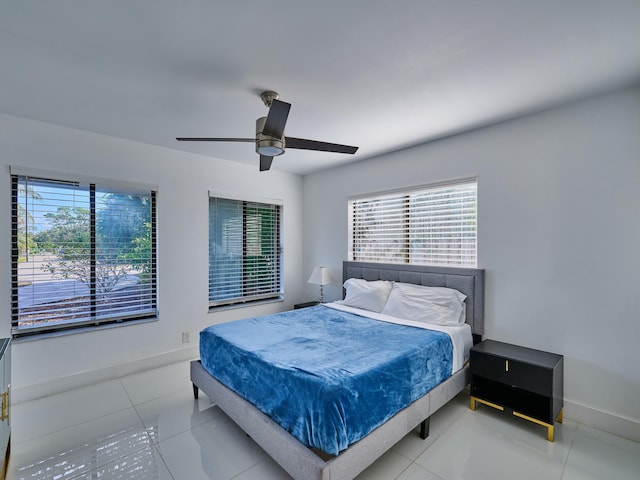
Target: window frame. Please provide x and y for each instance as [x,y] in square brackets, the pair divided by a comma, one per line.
[94,321]
[405,225]
[275,295]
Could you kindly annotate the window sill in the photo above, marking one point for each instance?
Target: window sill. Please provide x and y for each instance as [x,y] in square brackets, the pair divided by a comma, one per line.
[87,329]
[254,303]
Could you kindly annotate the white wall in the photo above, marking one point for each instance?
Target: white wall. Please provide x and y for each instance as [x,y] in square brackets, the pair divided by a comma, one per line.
[559,237]
[45,366]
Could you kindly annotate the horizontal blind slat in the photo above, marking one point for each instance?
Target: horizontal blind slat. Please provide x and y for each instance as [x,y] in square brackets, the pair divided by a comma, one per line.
[56,279]
[434,225]
[244,251]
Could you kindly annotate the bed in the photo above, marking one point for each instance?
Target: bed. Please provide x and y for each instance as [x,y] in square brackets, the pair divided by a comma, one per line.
[350,455]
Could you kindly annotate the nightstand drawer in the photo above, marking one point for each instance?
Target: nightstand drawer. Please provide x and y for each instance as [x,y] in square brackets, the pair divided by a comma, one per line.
[512,372]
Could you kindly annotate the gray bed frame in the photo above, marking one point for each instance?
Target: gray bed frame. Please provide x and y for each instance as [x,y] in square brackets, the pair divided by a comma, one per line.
[301,462]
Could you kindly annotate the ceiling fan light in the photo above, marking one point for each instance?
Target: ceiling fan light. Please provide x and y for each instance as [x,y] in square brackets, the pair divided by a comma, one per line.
[270,147]
[265,144]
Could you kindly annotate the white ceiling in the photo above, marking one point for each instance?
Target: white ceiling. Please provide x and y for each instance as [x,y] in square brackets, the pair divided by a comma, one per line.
[382,75]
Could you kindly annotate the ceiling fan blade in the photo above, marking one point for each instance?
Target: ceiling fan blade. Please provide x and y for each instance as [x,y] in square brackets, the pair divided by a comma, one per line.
[304,144]
[265,162]
[276,119]
[198,139]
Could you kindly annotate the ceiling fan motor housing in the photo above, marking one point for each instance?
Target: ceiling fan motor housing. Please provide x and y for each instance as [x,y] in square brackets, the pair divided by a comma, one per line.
[266,145]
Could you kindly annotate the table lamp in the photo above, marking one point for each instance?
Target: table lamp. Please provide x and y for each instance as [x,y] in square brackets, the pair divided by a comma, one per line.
[320,276]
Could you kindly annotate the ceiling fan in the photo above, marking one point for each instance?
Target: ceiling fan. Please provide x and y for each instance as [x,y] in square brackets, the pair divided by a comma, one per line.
[270,140]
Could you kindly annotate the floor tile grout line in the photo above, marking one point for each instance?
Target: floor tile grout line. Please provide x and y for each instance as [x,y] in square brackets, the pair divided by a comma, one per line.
[566,459]
[164,462]
[432,439]
[67,427]
[181,432]
[128,453]
[431,472]
[604,432]
[98,417]
[404,470]
[449,425]
[116,381]
[264,460]
[166,393]
[151,444]
[144,426]
[119,459]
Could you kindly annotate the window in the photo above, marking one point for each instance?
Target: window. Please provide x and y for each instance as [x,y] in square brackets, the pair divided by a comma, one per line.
[429,226]
[83,254]
[244,251]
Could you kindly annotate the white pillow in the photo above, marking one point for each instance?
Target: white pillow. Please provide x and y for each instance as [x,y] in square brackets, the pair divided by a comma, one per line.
[439,305]
[366,295]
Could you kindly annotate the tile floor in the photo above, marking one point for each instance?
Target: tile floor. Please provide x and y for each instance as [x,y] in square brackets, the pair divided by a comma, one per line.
[148,426]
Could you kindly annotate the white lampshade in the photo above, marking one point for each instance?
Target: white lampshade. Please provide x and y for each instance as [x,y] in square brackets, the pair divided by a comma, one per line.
[320,276]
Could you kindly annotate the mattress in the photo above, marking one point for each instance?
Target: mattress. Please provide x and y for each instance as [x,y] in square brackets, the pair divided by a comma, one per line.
[326,375]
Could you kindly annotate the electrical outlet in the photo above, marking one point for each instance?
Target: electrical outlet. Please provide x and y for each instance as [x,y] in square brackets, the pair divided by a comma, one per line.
[185,337]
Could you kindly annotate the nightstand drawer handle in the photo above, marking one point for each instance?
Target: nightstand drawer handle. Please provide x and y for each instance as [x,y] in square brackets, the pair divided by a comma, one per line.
[506,365]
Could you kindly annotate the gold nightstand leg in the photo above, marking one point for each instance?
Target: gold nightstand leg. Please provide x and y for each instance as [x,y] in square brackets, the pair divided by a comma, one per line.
[550,429]
[479,400]
[560,416]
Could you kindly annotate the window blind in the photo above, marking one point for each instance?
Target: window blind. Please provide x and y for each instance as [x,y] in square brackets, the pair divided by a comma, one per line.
[244,251]
[429,226]
[82,254]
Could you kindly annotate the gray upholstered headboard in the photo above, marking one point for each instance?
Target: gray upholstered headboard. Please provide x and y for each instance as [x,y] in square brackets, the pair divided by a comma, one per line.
[469,281]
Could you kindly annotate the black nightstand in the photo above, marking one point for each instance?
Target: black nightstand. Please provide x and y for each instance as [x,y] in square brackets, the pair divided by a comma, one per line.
[528,382]
[305,305]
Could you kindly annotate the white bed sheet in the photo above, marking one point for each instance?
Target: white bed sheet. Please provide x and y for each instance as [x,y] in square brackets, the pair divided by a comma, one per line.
[460,335]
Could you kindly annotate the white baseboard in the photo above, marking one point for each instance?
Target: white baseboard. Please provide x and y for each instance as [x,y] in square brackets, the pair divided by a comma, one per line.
[112,372]
[608,422]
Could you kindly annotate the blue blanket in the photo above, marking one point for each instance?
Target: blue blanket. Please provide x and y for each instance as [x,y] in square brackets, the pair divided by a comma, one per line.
[328,377]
